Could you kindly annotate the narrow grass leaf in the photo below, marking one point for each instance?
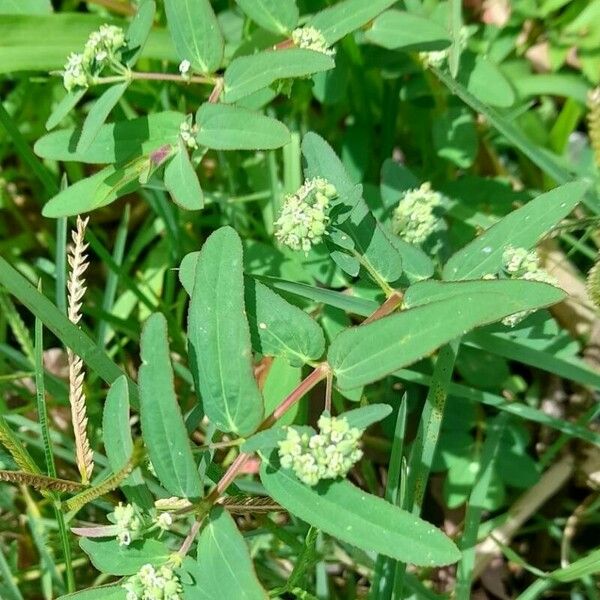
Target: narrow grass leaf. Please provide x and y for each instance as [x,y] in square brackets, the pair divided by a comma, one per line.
[364,354]
[523,227]
[363,520]
[223,127]
[219,337]
[225,569]
[163,429]
[248,74]
[196,33]
[278,16]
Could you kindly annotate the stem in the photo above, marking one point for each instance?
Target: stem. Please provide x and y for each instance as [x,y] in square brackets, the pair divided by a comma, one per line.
[328,391]
[385,287]
[189,540]
[138,75]
[216,93]
[389,306]
[66,548]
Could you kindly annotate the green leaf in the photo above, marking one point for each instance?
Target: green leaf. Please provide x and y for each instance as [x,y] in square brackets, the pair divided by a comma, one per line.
[219,337]
[99,113]
[582,567]
[364,354]
[349,211]
[395,29]
[344,17]
[485,80]
[248,74]
[225,569]
[182,182]
[64,107]
[455,137]
[118,443]
[367,415]
[523,227]
[268,439]
[139,30]
[196,33]
[163,428]
[278,328]
[363,520]
[25,7]
[278,16]
[104,592]
[108,556]
[114,142]
[223,127]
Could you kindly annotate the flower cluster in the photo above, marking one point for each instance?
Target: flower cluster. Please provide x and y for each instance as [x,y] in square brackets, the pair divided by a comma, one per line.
[415,216]
[311,38]
[151,583]
[329,454]
[437,58]
[519,263]
[303,218]
[130,525]
[187,131]
[103,47]
[185,67]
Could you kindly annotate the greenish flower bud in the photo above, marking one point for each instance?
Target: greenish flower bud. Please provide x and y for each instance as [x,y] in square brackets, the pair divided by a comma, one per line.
[311,38]
[151,583]
[415,217]
[129,523]
[303,218]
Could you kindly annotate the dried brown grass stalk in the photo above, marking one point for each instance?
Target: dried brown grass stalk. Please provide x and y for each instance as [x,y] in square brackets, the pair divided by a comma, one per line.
[76,289]
[40,482]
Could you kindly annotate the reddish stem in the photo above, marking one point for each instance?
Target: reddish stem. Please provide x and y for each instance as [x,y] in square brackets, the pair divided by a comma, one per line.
[388,307]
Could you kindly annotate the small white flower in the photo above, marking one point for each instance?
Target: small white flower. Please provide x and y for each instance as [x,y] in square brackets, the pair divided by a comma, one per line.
[75,74]
[153,584]
[184,68]
[311,38]
[164,521]
[187,131]
[415,218]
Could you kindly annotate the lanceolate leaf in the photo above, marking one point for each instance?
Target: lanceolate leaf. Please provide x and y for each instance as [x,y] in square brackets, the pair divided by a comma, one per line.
[278,16]
[485,81]
[225,569]
[520,228]
[223,127]
[163,429]
[248,74]
[114,142]
[196,33]
[139,30]
[367,415]
[219,337]
[99,113]
[398,29]
[358,518]
[364,354]
[104,592]
[118,442]
[182,182]
[64,107]
[108,556]
[347,16]
[277,328]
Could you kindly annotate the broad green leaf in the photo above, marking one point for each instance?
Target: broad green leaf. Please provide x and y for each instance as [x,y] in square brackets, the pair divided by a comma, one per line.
[196,33]
[223,127]
[25,7]
[286,330]
[278,16]
[64,107]
[163,429]
[349,211]
[522,228]
[219,337]
[358,518]
[364,354]
[104,592]
[248,74]
[395,29]
[282,379]
[99,113]
[182,182]
[344,17]
[104,187]
[108,556]
[278,328]
[455,137]
[225,569]
[367,415]
[485,80]
[118,444]
[114,142]
[139,30]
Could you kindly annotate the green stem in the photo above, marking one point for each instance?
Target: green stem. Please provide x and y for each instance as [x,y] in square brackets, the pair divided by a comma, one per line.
[66,548]
[382,283]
